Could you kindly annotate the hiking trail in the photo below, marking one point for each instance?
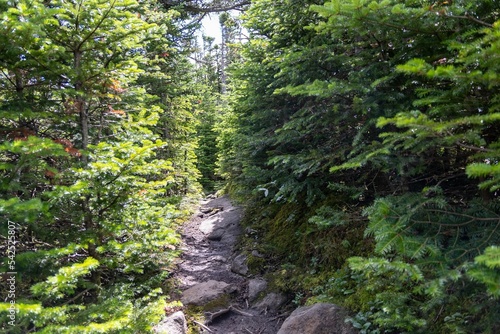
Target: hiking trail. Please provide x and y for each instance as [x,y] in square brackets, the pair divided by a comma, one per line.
[213,276]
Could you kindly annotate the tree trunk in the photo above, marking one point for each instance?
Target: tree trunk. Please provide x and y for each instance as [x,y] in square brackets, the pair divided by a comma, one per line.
[81,104]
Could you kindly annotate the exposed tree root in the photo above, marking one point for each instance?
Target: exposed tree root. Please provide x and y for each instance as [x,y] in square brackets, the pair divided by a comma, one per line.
[215,315]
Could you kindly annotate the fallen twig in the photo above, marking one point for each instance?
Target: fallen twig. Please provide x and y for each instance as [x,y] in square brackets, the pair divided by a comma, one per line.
[282,315]
[203,326]
[237,310]
[213,316]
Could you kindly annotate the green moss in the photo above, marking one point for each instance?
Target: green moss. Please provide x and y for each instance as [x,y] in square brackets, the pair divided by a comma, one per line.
[302,257]
[216,304]
[197,313]
[255,264]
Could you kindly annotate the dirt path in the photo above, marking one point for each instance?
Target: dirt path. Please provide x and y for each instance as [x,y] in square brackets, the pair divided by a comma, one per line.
[209,241]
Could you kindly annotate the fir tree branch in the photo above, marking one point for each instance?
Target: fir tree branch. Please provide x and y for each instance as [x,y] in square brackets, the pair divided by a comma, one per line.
[471,18]
[471,220]
[77,296]
[465,215]
[98,25]
[9,79]
[474,148]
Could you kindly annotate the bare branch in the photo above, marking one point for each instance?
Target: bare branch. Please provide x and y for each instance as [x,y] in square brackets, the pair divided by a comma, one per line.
[213,7]
[203,326]
[471,18]
[474,148]
[213,316]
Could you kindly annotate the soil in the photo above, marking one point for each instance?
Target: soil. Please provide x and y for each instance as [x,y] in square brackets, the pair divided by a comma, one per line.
[204,259]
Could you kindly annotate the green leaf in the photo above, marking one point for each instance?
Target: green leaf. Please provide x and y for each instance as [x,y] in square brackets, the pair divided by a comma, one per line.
[65,281]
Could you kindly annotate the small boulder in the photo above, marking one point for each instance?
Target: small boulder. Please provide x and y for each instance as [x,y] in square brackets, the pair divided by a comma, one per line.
[255,288]
[173,324]
[319,318]
[202,293]
[257,254]
[272,302]
[209,225]
[239,265]
[218,258]
[216,234]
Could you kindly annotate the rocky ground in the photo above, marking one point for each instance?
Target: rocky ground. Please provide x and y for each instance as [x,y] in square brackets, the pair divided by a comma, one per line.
[210,272]
[220,295]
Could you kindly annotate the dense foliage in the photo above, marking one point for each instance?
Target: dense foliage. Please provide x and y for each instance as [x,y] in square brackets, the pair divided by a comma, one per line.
[97,164]
[362,134]
[377,118]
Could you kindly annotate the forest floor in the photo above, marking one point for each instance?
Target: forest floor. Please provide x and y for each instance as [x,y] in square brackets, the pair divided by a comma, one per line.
[207,257]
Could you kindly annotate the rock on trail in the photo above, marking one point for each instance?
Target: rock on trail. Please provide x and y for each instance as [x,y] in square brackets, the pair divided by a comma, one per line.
[317,319]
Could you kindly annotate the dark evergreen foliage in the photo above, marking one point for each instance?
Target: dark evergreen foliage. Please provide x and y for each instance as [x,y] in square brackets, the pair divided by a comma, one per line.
[385,113]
